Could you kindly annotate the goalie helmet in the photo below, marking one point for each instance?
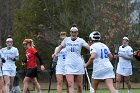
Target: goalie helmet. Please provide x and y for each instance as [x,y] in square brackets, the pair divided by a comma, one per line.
[95,36]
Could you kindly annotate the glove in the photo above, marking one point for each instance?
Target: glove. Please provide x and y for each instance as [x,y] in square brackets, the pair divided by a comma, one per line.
[14,59]
[24,60]
[3,60]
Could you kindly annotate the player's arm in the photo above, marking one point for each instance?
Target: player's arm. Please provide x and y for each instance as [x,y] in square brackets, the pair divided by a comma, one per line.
[40,61]
[60,47]
[16,58]
[128,57]
[85,44]
[87,47]
[92,57]
[24,60]
[110,56]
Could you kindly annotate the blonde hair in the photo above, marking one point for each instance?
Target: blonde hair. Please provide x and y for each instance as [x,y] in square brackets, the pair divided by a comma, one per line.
[63,34]
[30,41]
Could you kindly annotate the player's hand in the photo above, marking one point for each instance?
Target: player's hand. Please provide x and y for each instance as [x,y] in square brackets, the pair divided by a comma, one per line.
[13,59]
[42,68]
[115,56]
[23,63]
[85,65]
[121,55]
[53,55]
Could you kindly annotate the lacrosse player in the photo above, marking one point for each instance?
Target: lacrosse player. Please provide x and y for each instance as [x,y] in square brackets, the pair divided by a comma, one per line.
[73,62]
[9,56]
[124,67]
[102,67]
[30,61]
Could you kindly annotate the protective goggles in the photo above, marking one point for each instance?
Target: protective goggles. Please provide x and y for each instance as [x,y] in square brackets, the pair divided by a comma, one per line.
[24,44]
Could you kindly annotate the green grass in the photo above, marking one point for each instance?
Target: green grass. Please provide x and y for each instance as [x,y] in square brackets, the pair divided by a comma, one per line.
[99,91]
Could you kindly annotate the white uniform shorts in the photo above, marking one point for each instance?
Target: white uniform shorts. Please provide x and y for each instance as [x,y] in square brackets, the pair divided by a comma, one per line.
[9,73]
[103,74]
[124,71]
[72,69]
[60,69]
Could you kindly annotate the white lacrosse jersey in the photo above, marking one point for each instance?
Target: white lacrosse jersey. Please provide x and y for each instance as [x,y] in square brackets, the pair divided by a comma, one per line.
[9,55]
[60,67]
[101,61]
[73,58]
[127,51]
[61,56]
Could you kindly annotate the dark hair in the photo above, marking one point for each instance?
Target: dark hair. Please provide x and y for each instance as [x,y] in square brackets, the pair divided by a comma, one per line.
[74,25]
[9,36]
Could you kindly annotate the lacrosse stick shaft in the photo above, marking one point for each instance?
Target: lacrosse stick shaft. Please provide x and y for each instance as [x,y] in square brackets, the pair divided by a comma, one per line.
[50,84]
[88,78]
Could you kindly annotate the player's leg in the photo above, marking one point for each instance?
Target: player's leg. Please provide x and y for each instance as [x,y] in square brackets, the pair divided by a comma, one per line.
[79,80]
[128,83]
[95,84]
[59,78]
[37,85]
[12,76]
[6,80]
[67,85]
[109,84]
[1,84]
[70,80]
[25,84]
[11,81]
[118,80]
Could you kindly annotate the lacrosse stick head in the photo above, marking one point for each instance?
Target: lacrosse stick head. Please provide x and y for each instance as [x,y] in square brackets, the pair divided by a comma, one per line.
[91,90]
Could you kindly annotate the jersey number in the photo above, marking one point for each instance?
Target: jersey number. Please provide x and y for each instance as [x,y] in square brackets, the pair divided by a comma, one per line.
[63,56]
[104,53]
[72,49]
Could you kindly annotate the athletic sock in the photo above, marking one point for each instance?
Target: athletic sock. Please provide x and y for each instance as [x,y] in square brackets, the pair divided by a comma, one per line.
[117,91]
[129,91]
[39,91]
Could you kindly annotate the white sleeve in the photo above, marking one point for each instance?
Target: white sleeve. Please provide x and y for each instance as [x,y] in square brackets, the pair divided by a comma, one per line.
[92,50]
[130,51]
[64,42]
[84,43]
[16,52]
[2,54]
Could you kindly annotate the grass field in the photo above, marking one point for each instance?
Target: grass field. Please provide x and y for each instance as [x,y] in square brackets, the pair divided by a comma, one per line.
[99,91]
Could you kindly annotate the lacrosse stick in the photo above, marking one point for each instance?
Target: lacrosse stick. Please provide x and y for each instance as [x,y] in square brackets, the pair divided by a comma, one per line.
[91,88]
[53,65]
